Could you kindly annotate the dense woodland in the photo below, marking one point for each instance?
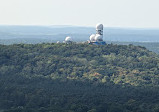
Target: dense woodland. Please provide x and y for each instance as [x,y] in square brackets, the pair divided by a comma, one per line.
[78,78]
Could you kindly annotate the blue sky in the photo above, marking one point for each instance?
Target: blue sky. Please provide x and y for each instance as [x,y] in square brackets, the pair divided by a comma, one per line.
[112,13]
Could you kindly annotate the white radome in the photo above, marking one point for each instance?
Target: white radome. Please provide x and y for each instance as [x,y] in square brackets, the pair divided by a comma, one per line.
[98,37]
[99,27]
[67,39]
[92,37]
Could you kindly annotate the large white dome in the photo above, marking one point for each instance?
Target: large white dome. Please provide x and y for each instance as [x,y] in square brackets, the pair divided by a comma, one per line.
[92,37]
[68,39]
[98,37]
[99,27]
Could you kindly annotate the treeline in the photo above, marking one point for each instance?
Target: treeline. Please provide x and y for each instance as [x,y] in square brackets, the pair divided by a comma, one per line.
[78,78]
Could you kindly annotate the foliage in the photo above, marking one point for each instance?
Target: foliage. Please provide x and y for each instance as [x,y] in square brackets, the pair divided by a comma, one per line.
[78,78]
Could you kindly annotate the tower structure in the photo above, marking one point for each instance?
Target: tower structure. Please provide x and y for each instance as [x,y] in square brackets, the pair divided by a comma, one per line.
[98,37]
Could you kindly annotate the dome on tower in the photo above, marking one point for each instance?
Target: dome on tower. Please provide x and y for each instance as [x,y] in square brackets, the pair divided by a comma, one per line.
[98,37]
[99,27]
[92,37]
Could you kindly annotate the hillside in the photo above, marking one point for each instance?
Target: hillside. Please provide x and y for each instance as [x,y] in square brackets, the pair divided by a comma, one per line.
[152,46]
[78,78]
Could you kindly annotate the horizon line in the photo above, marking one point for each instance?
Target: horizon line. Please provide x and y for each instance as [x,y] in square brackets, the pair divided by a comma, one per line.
[120,27]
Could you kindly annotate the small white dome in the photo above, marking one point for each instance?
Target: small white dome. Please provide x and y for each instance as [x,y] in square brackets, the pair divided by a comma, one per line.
[99,27]
[92,37]
[68,39]
[98,37]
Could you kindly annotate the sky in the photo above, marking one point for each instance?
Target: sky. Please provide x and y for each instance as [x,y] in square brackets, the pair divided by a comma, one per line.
[112,13]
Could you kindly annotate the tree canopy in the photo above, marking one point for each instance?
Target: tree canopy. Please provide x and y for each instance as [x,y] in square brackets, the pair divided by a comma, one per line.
[78,78]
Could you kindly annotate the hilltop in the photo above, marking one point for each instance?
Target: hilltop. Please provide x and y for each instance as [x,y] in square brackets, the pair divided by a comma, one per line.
[130,64]
[78,78]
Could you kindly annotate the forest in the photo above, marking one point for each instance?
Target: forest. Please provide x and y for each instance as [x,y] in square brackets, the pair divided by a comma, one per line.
[52,77]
